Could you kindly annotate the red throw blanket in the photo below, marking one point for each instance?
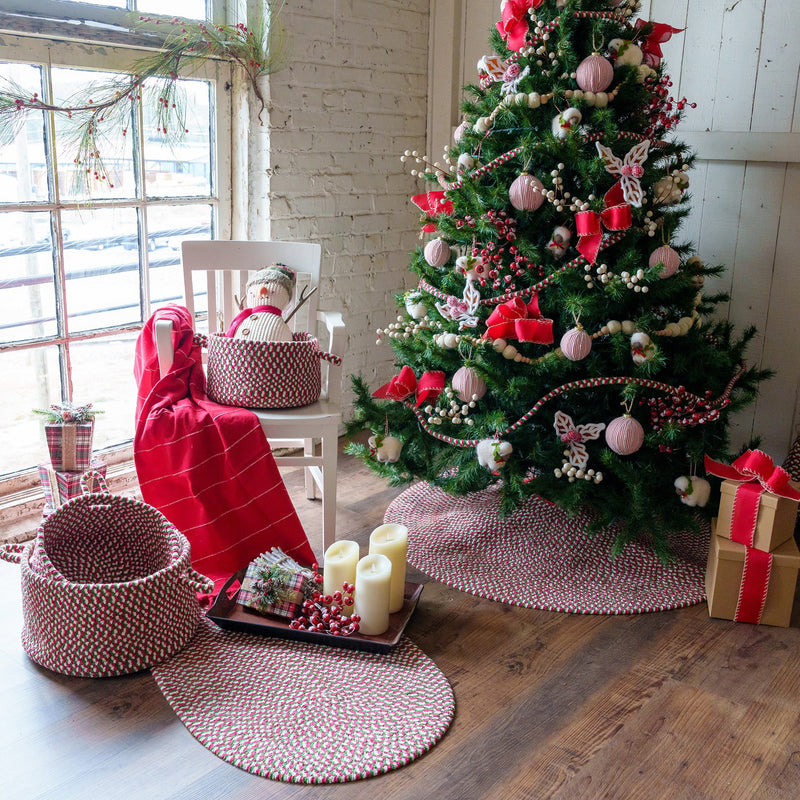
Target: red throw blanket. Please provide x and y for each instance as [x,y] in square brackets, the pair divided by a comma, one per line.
[207,467]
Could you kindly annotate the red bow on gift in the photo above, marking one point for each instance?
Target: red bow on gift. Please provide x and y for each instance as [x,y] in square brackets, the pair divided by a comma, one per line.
[518,320]
[616,216]
[430,385]
[432,203]
[651,43]
[760,475]
[514,22]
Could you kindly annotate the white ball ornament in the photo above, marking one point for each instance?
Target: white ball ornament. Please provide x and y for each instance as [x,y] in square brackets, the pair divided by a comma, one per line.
[693,491]
[465,162]
[567,120]
[415,307]
[468,385]
[526,193]
[641,348]
[666,256]
[493,453]
[594,73]
[624,435]
[576,344]
[387,448]
[437,252]
[559,242]
[627,52]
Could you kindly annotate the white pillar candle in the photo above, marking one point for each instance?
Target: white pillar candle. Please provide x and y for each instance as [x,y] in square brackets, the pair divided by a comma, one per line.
[339,568]
[392,541]
[373,582]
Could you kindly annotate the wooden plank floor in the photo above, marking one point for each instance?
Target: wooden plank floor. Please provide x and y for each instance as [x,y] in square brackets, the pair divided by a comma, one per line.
[668,705]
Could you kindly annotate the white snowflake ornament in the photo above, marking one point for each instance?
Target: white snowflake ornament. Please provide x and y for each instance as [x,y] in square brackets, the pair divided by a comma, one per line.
[629,169]
[574,437]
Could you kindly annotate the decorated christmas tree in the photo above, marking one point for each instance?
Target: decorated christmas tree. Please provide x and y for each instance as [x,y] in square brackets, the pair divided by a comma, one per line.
[559,341]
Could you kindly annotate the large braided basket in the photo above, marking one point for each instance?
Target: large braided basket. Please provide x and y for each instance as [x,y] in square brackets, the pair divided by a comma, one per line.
[107,587]
[265,374]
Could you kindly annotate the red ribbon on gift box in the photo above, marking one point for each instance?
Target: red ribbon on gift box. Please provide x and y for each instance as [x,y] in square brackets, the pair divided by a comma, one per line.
[760,475]
[754,586]
[518,320]
[430,385]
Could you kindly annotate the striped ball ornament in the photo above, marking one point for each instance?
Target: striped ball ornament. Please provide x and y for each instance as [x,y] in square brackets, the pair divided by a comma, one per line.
[668,258]
[594,73]
[467,384]
[624,435]
[526,193]
[437,252]
[576,343]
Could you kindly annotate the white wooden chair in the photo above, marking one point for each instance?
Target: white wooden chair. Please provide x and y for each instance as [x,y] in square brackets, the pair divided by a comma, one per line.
[227,266]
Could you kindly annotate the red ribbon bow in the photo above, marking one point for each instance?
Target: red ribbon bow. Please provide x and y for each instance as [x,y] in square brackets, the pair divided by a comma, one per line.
[433,204]
[616,216]
[518,320]
[514,22]
[760,475]
[651,43]
[430,385]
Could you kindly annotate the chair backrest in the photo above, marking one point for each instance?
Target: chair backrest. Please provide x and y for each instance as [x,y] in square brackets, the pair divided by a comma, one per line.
[228,266]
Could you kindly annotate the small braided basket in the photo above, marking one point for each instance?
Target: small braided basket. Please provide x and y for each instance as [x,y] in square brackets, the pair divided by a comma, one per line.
[256,374]
[107,586]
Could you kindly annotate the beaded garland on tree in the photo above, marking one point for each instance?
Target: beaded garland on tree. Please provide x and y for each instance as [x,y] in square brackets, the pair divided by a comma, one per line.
[552,219]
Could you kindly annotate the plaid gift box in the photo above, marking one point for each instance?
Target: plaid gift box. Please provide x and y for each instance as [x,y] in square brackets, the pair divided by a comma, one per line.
[272,589]
[70,446]
[60,486]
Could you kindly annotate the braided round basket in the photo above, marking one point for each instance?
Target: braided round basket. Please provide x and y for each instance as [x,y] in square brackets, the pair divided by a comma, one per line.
[107,587]
[256,374]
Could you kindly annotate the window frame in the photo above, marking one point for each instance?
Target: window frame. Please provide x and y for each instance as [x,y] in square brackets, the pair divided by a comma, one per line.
[105,56]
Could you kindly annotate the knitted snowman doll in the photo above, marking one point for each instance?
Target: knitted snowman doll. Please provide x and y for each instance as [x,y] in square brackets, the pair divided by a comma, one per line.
[268,293]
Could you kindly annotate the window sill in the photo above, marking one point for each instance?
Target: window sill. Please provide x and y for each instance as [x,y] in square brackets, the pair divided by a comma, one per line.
[21,512]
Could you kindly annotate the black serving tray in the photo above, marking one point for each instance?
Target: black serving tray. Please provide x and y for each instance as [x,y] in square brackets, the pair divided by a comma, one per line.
[229,614]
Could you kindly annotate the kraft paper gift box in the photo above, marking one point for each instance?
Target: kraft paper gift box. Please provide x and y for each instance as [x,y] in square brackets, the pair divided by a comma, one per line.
[776,518]
[70,445]
[60,486]
[765,595]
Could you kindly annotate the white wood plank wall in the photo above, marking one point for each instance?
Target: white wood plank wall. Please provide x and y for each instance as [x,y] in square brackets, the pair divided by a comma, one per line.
[738,60]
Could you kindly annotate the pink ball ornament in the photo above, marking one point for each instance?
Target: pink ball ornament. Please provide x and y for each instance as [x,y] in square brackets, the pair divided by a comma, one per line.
[668,257]
[437,252]
[594,73]
[624,435]
[576,343]
[460,131]
[467,384]
[526,193]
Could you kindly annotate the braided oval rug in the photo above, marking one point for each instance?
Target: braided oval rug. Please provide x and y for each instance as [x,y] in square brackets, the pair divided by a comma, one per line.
[541,558]
[306,713]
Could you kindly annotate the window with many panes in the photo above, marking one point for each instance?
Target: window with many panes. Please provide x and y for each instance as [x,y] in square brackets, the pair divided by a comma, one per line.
[80,272]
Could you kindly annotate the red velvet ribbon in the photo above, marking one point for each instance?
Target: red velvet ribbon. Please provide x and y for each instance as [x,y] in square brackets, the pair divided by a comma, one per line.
[651,43]
[518,320]
[432,203]
[754,586]
[760,475]
[616,216]
[514,22]
[430,385]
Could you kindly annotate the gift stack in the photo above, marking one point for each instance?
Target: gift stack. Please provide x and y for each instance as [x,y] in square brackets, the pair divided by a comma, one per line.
[753,559]
[69,431]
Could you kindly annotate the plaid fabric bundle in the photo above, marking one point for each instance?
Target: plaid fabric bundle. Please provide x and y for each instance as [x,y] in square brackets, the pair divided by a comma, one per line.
[62,486]
[70,446]
[273,586]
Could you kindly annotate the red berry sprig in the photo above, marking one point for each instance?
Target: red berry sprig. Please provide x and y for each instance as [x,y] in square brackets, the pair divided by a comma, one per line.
[323,612]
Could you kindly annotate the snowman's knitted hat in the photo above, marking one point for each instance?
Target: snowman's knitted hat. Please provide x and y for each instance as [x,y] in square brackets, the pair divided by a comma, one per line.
[276,275]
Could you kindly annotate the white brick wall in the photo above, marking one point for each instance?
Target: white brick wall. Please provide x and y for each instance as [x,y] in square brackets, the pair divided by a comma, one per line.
[351,101]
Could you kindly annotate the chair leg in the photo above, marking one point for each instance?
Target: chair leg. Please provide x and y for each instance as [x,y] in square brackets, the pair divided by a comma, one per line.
[311,484]
[330,454]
